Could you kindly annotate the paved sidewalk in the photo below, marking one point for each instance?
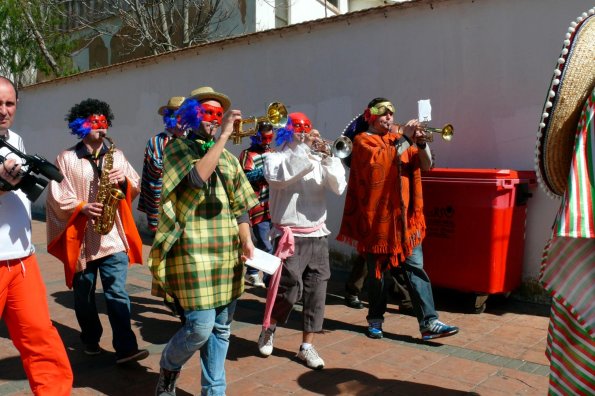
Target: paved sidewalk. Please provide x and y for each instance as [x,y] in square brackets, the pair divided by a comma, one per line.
[499,352]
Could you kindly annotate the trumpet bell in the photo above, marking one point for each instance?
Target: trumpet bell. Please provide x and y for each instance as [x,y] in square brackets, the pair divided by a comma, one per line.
[342,147]
[447,132]
[276,115]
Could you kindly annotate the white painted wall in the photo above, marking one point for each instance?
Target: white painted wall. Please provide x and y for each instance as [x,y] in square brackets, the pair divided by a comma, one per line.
[486,65]
[299,11]
[308,10]
[356,5]
[265,15]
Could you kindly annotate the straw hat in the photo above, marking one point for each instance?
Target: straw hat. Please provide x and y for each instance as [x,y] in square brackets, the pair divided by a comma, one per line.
[572,83]
[173,103]
[207,93]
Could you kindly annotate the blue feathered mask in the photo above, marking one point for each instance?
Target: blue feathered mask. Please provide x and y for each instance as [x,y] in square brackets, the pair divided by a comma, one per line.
[170,119]
[285,134]
[189,113]
[80,127]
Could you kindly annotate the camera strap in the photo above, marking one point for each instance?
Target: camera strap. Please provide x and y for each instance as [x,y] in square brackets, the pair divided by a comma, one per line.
[6,186]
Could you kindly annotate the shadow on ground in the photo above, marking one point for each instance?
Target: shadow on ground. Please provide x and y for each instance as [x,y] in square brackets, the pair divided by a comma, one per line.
[353,382]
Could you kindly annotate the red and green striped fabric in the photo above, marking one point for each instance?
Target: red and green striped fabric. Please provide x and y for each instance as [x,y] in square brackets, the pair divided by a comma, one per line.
[568,272]
[576,214]
[570,350]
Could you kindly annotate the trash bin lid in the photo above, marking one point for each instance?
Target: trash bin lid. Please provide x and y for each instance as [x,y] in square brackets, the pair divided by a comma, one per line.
[524,176]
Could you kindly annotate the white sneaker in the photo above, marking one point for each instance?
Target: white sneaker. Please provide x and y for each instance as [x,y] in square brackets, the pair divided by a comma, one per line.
[254,280]
[265,342]
[311,358]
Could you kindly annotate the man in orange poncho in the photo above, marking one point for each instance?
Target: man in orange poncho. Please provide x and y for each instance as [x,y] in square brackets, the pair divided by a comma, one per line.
[383,215]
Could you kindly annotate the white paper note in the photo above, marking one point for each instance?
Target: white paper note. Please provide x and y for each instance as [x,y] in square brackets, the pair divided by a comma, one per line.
[424,110]
[264,261]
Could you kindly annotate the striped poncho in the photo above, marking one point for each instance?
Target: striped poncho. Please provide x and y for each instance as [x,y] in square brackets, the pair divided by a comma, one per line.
[196,252]
[150,194]
[252,161]
[568,272]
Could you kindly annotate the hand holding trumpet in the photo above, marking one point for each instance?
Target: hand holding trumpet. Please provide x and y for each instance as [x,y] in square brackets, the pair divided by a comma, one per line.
[340,148]
[413,130]
[420,133]
[317,143]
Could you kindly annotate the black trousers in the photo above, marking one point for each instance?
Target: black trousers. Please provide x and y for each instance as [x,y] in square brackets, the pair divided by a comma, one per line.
[399,290]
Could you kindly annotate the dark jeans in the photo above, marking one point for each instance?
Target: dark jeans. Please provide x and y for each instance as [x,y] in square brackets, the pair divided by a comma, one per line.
[420,288]
[357,277]
[113,270]
[261,234]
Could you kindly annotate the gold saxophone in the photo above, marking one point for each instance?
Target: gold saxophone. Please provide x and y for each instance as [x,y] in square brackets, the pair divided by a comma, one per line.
[107,194]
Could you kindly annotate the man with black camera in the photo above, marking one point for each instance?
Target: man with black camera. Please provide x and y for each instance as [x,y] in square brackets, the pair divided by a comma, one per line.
[23,303]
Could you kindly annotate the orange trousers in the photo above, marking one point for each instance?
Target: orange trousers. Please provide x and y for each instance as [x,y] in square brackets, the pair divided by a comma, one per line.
[24,308]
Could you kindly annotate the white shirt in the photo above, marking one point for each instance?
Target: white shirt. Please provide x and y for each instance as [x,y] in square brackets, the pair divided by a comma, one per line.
[298,181]
[15,214]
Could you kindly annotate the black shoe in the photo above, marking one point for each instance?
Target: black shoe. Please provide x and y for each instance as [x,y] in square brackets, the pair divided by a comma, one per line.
[133,356]
[353,302]
[167,383]
[92,349]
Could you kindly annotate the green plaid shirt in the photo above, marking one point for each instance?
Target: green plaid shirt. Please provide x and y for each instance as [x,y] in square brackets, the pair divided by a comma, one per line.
[196,252]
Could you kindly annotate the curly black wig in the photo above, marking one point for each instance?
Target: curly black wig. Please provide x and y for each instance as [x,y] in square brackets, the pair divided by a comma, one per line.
[89,107]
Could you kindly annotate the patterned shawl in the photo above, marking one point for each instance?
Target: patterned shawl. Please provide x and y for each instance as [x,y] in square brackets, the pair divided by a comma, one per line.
[383,211]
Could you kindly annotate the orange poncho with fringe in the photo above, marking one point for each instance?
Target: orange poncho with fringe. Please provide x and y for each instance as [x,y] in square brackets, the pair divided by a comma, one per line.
[383,211]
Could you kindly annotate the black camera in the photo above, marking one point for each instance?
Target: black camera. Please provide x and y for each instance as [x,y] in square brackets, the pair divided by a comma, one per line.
[32,168]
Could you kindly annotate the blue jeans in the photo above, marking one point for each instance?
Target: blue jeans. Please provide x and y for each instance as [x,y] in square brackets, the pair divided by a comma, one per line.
[422,298]
[113,270]
[261,234]
[208,331]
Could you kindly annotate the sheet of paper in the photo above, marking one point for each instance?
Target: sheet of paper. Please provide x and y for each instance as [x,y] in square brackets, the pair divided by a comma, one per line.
[424,110]
[264,261]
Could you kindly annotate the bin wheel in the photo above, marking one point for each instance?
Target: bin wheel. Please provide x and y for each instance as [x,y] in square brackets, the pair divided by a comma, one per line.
[480,303]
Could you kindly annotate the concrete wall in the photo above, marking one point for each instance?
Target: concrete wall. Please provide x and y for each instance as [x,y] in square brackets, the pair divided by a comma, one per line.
[486,66]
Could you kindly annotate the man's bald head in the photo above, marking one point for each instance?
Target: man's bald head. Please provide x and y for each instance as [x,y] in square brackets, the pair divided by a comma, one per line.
[8,104]
[4,80]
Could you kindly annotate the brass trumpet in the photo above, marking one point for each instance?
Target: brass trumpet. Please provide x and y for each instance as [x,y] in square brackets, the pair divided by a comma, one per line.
[446,131]
[276,115]
[340,148]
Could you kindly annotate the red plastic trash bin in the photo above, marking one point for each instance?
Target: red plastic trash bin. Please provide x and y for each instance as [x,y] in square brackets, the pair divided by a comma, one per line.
[475,233]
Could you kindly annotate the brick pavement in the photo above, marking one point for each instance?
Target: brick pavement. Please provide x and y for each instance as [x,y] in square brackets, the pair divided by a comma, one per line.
[500,352]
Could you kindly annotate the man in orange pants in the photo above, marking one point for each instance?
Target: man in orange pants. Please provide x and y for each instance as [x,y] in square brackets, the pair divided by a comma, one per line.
[23,303]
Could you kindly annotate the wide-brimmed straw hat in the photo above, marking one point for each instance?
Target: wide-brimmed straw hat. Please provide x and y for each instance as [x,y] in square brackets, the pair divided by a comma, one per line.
[572,83]
[207,93]
[173,103]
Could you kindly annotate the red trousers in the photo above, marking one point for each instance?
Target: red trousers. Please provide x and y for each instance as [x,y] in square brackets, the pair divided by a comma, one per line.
[24,308]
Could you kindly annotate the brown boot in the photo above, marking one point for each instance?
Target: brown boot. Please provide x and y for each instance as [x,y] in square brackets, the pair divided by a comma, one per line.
[167,383]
